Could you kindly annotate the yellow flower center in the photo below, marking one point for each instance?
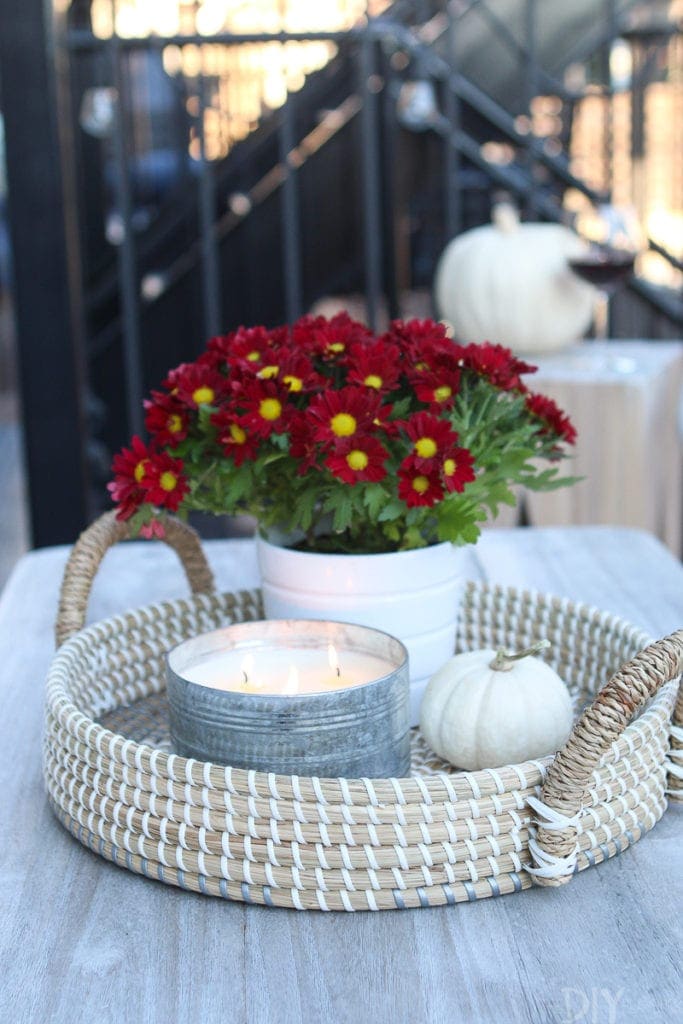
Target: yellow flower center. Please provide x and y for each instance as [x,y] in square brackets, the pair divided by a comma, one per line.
[140,470]
[373,381]
[203,396]
[343,424]
[293,383]
[238,435]
[426,447]
[270,409]
[357,459]
[168,481]
[253,357]
[420,484]
[268,372]
[336,347]
[442,393]
[449,467]
[174,423]
[421,366]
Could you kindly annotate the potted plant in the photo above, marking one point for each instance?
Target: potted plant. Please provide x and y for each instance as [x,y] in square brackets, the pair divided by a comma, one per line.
[369,462]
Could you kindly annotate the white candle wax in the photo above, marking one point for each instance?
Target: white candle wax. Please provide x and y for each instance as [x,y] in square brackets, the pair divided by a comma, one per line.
[285,670]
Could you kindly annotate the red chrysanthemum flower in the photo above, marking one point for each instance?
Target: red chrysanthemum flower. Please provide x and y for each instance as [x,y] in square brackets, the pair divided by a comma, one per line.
[218,347]
[246,345]
[457,469]
[330,339]
[362,459]
[431,437]
[415,337]
[375,366]
[166,419]
[280,336]
[234,437]
[416,486]
[340,415]
[552,418]
[497,364]
[165,482]
[302,331]
[438,389]
[196,384]
[302,443]
[265,408]
[293,370]
[382,422]
[131,470]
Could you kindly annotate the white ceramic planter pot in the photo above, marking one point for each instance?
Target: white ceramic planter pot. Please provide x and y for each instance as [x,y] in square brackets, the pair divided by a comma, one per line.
[414,595]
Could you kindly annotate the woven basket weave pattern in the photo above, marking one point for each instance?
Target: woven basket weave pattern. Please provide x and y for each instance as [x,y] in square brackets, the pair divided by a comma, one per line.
[439,837]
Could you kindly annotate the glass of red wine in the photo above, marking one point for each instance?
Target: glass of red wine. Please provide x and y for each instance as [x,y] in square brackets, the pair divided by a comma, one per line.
[608,261]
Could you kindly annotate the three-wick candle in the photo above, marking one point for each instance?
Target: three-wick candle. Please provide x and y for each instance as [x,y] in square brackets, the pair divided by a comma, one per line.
[287,670]
[295,697]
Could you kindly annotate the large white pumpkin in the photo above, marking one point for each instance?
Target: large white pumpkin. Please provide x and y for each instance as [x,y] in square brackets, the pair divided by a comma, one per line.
[511,283]
[476,715]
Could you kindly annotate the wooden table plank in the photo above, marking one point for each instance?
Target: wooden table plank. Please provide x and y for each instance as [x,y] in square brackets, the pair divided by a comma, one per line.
[84,941]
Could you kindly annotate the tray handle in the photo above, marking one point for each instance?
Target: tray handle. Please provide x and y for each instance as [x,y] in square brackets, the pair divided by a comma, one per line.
[554,847]
[92,546]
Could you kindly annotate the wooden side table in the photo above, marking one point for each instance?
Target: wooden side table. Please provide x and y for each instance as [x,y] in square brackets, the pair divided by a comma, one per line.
[624,399]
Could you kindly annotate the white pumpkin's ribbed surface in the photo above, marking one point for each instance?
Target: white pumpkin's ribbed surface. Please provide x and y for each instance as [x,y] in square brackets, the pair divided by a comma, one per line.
[514,287]
[475,716]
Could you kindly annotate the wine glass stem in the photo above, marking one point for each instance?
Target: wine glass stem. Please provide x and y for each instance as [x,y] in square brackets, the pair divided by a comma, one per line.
[601,316]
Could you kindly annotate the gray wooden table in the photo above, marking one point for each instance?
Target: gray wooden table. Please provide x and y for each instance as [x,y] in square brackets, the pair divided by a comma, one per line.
[82,940]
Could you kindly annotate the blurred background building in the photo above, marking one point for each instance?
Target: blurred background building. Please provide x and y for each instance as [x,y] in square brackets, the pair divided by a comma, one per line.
[178,167]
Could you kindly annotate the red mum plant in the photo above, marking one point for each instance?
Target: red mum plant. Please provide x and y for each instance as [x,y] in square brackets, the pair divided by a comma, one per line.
[337,416]
[432,437]
[146,476]
[166,419]
[457,469]
[553,420]
[375,366]
[497,364]
[345,440]
[360,460]
[235,437]
[195,384]
[418,486]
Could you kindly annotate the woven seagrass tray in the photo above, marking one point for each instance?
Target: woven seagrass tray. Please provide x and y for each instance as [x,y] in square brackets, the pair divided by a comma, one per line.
[439,837]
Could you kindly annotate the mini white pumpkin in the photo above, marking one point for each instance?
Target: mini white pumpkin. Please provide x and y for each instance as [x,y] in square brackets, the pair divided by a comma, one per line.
[511,283]
[489,708]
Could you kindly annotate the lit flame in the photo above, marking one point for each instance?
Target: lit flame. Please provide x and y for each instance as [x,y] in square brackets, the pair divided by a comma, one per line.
[333,660]
[292,684]
[247,668]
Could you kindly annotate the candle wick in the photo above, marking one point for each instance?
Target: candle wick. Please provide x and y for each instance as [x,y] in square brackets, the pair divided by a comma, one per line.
[338,672]
[246,677]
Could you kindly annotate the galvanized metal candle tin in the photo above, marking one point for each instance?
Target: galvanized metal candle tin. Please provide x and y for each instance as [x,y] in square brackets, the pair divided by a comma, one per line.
[359,731]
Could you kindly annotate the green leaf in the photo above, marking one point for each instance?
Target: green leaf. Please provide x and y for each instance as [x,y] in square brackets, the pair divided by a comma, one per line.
[498,494]
[304,505]
[394,508]
[391,532]
[412,538]
[549,480]
[374,498]
[457,521]
[400,408]
[340,502]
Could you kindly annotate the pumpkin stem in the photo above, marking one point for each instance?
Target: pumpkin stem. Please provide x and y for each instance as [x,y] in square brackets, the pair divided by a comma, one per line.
[504,659]
[505,216]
